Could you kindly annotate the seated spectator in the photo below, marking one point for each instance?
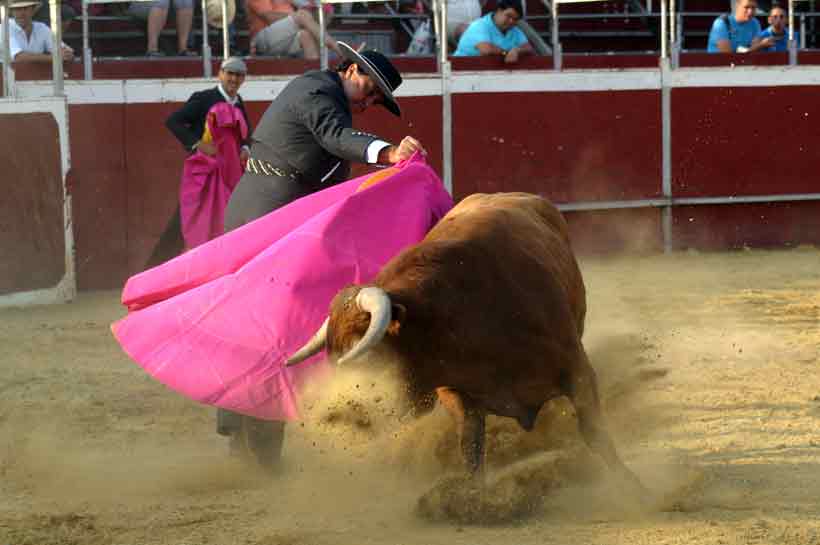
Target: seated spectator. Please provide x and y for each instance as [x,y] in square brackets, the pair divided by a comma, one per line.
[213,10]
[283,29]
[778,30]
[738,32]
[460,13]
[67,15]
[156,15]
[496,34]
[30,40]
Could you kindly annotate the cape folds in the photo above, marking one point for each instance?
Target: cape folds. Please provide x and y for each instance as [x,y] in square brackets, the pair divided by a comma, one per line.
[217,323]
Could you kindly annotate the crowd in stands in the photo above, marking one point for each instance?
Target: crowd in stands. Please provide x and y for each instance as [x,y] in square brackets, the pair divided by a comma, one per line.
[289,28]
[740,31]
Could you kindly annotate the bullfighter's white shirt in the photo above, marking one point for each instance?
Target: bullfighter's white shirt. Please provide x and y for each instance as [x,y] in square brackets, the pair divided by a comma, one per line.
[39,42]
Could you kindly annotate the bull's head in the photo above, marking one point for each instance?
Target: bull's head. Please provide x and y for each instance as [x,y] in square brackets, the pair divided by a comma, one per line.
[352,311]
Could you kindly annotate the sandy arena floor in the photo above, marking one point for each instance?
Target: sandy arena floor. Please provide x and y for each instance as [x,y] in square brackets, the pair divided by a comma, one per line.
[709,375]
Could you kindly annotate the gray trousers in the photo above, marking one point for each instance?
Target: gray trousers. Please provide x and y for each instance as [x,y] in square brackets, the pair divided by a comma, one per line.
[254,197]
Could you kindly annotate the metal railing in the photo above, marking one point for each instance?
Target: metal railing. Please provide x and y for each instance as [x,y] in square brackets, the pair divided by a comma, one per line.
[364,16]
[88,71]
[8,72]
[207,70]
[392,15]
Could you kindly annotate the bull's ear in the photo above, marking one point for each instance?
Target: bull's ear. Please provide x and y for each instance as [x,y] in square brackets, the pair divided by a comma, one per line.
[398,313]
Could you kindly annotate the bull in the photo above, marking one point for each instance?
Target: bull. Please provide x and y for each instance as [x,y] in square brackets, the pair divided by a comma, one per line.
[487,312]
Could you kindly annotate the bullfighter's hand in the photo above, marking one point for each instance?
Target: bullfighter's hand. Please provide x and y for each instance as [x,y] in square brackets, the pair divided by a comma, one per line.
[244,155]
[208,148]
[406,149]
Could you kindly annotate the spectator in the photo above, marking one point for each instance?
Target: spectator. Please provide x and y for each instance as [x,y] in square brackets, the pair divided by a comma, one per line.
[188,124]
[214,18]
[156,15]
[738,32]
[213,127]
[778,30]
[460,13]
[279,28]
[30,40]
[67,15]
[496,34]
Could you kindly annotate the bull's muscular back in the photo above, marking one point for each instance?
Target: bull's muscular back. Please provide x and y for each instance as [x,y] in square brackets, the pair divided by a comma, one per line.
[493,290]
[509,223]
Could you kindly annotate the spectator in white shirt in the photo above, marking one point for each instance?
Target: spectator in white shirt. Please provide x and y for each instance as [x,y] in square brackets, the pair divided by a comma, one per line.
[29,40]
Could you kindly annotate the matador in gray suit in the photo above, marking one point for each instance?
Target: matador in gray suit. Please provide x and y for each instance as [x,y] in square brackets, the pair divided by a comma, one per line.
[305,142]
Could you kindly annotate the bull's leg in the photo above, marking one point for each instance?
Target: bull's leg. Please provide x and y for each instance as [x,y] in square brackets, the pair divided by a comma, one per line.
[582,390]
[470,423]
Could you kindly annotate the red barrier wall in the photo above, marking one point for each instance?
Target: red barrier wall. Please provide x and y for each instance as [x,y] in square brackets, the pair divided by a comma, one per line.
[567,145]
[721,227]
[744,141]
[32,232]
[98,183]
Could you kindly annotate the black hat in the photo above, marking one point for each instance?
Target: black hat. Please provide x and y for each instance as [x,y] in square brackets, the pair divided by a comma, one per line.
[380,69]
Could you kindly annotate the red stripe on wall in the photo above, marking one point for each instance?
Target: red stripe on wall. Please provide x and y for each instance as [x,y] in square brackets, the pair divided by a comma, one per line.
[635,230]
[760,225]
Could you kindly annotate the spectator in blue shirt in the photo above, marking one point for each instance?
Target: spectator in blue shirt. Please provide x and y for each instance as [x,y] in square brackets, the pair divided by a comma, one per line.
[496,34]
[738,32]
[778,30]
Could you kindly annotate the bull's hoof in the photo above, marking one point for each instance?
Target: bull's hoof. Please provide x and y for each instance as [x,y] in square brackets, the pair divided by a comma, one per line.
[466,500]
[511,494]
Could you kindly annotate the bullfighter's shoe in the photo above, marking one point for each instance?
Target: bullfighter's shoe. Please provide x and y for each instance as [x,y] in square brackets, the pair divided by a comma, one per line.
[265,440]
[255,440]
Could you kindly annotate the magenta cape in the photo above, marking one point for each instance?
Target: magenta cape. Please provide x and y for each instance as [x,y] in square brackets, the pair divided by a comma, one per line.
[207,182]
[217,323]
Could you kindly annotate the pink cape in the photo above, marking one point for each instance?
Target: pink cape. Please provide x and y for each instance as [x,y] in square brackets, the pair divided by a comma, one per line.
[217,323]
[207,182]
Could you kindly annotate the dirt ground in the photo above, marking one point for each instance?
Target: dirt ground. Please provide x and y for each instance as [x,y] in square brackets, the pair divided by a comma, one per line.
[709,376]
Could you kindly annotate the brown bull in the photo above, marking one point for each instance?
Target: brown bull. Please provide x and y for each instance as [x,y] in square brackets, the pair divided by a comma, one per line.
[488,312]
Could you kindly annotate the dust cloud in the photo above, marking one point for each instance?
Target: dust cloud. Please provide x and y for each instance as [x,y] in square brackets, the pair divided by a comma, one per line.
[707,368]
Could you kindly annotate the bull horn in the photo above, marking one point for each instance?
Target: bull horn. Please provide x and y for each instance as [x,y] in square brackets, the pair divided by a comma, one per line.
[376,302]
[313,346]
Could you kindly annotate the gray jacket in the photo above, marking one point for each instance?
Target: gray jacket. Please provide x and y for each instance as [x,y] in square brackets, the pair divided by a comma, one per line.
[308,129]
